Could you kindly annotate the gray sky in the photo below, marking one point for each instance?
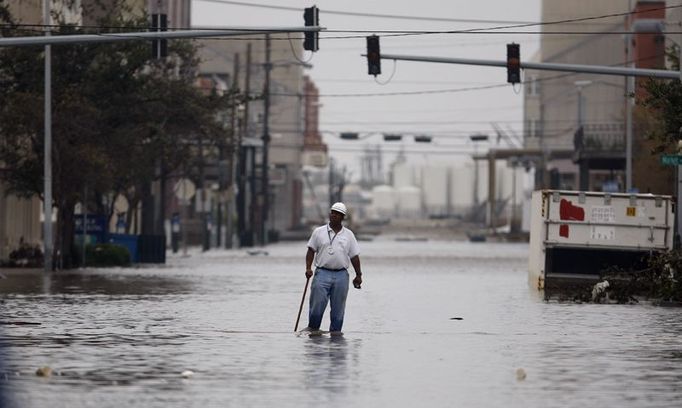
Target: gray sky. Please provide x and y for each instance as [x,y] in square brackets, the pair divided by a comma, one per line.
[339,69]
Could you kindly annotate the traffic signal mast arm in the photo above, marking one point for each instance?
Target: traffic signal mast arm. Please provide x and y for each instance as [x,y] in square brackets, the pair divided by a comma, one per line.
[149,35]
[546,66]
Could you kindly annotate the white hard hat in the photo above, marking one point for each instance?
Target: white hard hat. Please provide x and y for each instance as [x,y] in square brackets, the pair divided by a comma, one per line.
[339,207]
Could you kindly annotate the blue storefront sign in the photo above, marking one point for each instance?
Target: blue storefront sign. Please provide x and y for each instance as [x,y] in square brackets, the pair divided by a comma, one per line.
[95,225]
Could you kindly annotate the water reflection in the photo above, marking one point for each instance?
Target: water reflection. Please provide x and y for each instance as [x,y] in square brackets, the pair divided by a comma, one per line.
[326,363]
[332,365]
[106,282]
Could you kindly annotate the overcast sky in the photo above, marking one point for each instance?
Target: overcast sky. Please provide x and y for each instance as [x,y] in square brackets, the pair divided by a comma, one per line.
[340,70]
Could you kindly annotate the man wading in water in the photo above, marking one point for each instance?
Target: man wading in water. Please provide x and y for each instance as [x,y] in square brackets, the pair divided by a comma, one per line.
[332,247]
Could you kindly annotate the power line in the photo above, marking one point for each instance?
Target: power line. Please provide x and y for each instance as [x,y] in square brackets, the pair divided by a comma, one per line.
[429,92]
[453,90]
[390,33]
[511,24]
[370,15]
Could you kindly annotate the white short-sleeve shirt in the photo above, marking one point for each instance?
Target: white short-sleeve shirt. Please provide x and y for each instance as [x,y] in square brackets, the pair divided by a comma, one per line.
[333,250]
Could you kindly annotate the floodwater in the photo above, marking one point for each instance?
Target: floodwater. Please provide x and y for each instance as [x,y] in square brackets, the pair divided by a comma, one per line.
[122,337]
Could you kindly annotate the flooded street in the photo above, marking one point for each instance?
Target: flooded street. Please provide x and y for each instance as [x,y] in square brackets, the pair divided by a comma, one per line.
[122,337]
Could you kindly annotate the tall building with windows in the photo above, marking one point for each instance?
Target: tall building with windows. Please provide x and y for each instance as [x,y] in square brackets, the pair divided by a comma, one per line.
[588,113]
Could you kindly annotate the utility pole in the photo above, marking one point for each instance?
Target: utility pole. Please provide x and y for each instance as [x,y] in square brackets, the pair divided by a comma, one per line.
[629,100]
[47,162]
[206,238]
[265,188]
[232,148]
[584,170]
[331,182]
[242,167]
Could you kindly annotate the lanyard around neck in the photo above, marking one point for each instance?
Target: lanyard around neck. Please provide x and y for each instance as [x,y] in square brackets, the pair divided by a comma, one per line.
[331,240]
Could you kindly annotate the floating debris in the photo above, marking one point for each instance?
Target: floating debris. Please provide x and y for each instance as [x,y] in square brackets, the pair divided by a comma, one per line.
[44,372]
[599,289]
[520,374]
[20,323]
[187,373]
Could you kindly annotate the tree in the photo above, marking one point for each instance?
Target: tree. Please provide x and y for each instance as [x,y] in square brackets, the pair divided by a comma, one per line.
[116,115]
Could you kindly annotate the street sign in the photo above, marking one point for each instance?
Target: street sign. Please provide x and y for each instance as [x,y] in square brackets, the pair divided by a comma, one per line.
[184,189]
[671,160]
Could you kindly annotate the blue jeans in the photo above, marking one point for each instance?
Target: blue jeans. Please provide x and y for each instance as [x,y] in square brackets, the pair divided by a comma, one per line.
[328,286]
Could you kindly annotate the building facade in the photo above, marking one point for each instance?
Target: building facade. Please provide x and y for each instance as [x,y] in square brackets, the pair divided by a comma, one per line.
[588,113]
[290,134]
[558,104]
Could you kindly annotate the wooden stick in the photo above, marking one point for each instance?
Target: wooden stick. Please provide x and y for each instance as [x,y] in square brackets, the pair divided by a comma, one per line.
[300,309]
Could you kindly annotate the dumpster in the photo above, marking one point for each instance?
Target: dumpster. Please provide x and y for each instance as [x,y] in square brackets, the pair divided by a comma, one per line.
[575,235]
[151,249]
[126,240]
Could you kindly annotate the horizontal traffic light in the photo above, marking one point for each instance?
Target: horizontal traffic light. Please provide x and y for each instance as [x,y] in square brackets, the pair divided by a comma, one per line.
[392,138]
[349,136]
[422,139]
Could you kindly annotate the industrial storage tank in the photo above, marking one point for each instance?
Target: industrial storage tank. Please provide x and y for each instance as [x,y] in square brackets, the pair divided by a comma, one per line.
[462,189]
[383,202]
[403,174]
[435,190]
[409,204]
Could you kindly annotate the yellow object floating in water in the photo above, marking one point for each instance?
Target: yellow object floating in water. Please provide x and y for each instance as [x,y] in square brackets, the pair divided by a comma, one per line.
[520,374]
[44,372]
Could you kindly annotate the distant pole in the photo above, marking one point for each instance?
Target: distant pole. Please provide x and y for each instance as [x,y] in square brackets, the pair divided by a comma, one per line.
[183,216]
[242,216]
[266,141]
[629,89]
[206,243]
[331,182]
[679,203]
[232,151]
[475,177]
[84,212]
[47,197]
[678,192]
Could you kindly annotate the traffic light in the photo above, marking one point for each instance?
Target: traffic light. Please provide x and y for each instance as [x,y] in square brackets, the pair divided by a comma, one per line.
[422,139]
[513,63]
[373,56]
[159,46]
[392,138]
[311,16]
[349,136]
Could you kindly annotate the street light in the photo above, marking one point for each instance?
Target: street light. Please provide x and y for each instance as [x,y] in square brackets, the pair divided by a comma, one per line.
[584,176]
[580,85]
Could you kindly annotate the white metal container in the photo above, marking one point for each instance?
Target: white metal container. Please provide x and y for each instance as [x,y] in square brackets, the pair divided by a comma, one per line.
[575,235]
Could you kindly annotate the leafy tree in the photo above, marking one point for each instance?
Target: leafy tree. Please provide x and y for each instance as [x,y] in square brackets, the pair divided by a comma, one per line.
[664,107]
[116,115]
